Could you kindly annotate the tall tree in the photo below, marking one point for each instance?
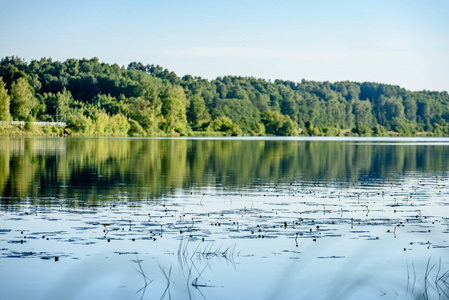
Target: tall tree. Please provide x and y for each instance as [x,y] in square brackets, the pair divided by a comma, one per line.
[5,100]
[197,111]
[62,104]
[22,99]
[362,111]
[174,111]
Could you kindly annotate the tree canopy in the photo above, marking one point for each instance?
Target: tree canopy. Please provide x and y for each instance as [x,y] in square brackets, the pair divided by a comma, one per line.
[96,98]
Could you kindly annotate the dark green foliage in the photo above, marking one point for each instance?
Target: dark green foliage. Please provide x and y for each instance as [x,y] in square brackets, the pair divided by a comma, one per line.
[310,129]
[361,129]
[112,105]
[379,130]
[240,111]
[197,112]
[155,101]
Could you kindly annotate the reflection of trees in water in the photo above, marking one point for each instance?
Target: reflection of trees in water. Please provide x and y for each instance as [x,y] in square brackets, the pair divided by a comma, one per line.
[92,169]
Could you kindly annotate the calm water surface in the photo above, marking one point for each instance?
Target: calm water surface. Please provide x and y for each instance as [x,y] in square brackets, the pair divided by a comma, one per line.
[246,218]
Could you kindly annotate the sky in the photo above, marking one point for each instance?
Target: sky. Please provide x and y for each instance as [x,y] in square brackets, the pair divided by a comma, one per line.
[400,42]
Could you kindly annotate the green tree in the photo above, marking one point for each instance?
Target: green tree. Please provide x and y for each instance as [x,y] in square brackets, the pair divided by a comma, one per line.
[22,99]
[112,105]
[173,111]
[411,108]
[161,102]
[5,100]
[29,125]
[379,130]
[135,129]
[79,123]
[58,104]
[290,108]
[288,127]
[118,125]
[197,111]
[144,114]
[331,131]
[362,111]
[278,124]
[310,129]
[100,122]
[62,104]
[72,66]
[361,129]
[224,124]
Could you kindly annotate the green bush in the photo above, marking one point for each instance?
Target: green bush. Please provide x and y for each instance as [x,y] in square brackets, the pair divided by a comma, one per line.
[118,124]
[379,130]
[135,129]
[361,129]
[224,124]
[78,124]
[278,124]
[29,124]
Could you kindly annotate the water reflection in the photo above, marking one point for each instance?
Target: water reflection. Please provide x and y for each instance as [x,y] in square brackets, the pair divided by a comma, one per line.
[91,170]
[236,219]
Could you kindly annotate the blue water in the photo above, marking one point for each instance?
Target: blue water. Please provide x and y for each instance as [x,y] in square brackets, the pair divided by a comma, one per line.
[247,218]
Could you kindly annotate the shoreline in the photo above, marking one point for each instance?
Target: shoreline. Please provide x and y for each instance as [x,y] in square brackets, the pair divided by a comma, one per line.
[59,131]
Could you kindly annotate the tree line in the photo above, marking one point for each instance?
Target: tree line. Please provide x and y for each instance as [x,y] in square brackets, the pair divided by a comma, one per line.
[96,98]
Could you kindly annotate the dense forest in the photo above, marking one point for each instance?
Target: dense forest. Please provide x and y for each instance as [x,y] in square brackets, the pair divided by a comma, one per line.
[96,98]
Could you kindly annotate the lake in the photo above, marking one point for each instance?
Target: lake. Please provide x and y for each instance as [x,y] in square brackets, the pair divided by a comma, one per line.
[224,218]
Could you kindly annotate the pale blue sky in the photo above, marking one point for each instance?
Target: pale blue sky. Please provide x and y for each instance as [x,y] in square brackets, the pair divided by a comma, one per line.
[402,42]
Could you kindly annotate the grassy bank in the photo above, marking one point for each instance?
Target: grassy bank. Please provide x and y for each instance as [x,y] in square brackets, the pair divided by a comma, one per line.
[27,130]
[24,130]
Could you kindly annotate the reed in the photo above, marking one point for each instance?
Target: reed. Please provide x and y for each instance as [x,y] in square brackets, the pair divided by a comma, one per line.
[167,277]
[146,280]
